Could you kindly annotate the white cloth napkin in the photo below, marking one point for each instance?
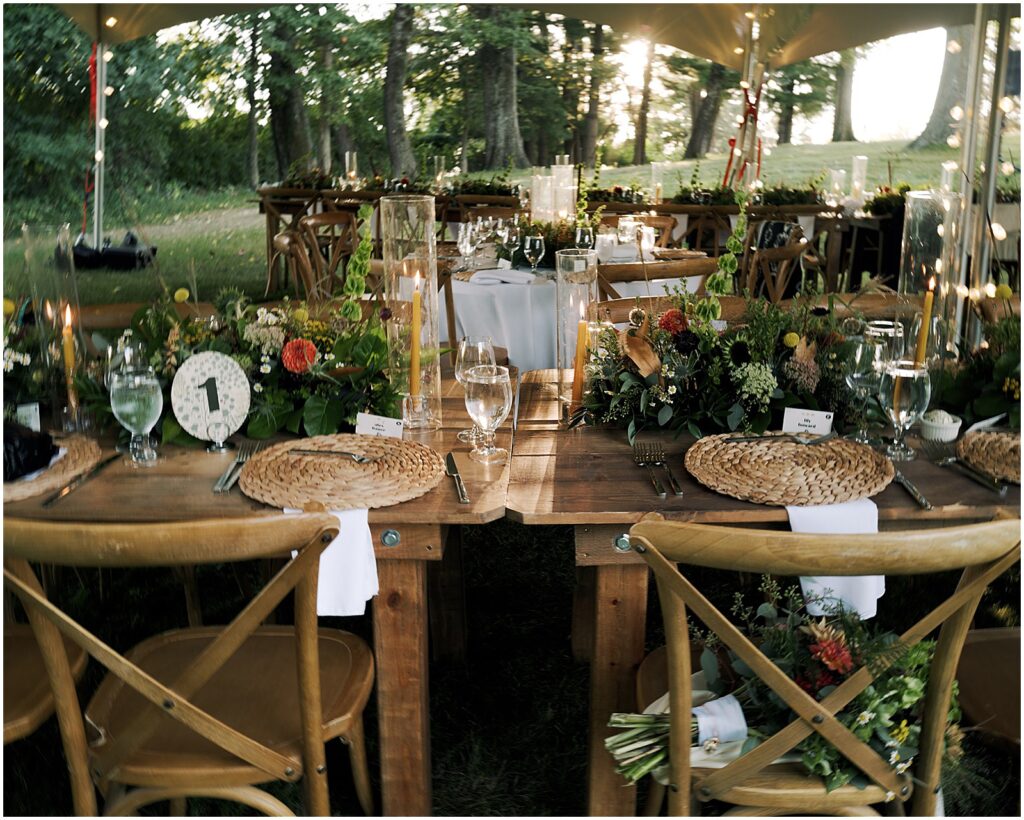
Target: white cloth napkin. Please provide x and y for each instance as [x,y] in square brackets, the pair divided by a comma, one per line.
[856,593]
[981,425]
[61,452]
[348,568]
[497,276]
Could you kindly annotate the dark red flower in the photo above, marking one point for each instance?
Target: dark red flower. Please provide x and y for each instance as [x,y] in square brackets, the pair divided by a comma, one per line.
[674,321]
[298,355]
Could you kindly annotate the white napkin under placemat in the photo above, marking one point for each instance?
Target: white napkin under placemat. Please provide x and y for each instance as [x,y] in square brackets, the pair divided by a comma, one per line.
[497,276]
[61,452]
[348,568]
[859,594]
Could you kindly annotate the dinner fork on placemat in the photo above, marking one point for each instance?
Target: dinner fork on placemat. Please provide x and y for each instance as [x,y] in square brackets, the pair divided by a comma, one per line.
[655,454]
[641,459]
[246,450]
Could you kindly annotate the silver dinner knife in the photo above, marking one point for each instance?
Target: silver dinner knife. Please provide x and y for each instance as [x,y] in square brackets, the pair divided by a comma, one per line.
[911,488]
[74,484]
[452,469]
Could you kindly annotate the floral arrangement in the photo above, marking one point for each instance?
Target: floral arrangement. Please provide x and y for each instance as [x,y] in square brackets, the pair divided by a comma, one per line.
[397,185]
[315,178]
[497,185]
[887,200]
[988,381]
[679,371]
[27,377]
[818,654]
[311,368]
[618,193]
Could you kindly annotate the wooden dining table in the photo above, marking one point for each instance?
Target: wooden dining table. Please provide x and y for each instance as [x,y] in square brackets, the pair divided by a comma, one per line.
[586,477]
[410,542]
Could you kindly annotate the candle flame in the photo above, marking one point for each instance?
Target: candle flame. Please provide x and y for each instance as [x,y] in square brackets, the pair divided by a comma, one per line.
[416,281]
[931,283]
[49,310]
[582,310]
[67,315]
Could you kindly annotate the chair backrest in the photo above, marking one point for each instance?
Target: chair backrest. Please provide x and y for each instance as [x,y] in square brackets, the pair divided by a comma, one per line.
[331,237]
[982,551]
[770,258]
[467,203]
[608,275]
[170,544]
[292,246]
[617,311]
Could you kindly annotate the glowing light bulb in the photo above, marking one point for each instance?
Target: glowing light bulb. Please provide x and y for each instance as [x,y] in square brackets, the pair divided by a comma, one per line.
[99,156]
[998,232]
[767,152]
[961,291]
[104,122]
[108,56]
[736,152]
[110,22]
[990,290]
[744,84]
[953,140]
[1007,167]
[703,93]
[941,230]
[974,294]
[953,46]
[749,15]
[938,266]
[738,50]
[957,113]
[1006,105]
[108,91]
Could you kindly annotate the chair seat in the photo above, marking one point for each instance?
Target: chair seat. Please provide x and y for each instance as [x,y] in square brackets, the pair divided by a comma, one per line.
[989,677]
[255,692]
[777,786]
[28,700]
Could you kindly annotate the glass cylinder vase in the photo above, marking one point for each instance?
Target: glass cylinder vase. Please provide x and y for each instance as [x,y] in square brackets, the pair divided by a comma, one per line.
[928,262]
[410,290]
[576,290]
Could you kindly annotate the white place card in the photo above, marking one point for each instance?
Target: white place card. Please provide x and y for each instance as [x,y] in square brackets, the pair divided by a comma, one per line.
[28,414]
[504,264]
[799,420]
[368,424]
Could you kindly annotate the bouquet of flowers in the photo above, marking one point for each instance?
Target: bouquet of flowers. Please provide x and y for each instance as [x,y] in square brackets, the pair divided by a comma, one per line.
[31,358]
[818,654]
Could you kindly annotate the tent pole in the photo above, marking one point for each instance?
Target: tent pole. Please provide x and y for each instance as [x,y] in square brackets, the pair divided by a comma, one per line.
[100,158]
[981,241]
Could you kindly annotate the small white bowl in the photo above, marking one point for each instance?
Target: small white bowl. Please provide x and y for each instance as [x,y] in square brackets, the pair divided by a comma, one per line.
[940,431]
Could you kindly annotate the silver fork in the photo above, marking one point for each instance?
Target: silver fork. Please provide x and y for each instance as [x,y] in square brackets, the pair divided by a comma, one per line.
[256,447]
[358,459]
[655,453]
[244,451]
[640,459]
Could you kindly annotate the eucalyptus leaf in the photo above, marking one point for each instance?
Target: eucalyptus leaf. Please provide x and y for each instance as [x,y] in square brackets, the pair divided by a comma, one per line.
[709,665]
[664,415]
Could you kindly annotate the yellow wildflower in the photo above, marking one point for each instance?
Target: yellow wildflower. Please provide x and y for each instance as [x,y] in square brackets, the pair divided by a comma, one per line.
[8,307]
[1003,291]
[181,295]
[300,314]
[791,339]
[901,732]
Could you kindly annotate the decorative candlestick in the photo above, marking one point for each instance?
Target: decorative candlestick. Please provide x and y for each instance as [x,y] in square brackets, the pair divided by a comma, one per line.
[580,359]
[414,341]
[69,360]
[926,320]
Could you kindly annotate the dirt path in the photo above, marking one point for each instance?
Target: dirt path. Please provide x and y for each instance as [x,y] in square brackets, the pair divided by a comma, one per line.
[205,222]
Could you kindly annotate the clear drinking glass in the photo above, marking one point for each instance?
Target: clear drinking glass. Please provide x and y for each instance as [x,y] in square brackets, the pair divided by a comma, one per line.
[904,393]
[467,242]
[863,375]
[473,351]
[585,237]
[137,401]
[488,402]
[890,335]
[533,250]
[508,238]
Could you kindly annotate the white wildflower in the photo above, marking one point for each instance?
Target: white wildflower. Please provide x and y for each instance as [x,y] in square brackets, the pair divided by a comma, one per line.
[257,388]
[672,389]
[265,368]
[865,717]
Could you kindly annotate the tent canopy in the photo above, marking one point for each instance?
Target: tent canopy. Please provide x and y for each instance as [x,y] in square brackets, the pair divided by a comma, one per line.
[788,32]
[134,20]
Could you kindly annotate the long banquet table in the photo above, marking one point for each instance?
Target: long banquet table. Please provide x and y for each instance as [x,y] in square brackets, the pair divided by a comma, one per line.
[586,477]
[180,487]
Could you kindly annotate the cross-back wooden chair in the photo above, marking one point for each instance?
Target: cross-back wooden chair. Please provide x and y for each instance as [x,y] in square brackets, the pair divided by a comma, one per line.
[617,311]
[206,711]
[468,203]
[706,230]
[283,207]
[663,226]
[982,551]
[609,275]
[291,246]
[331,238]
[771,258]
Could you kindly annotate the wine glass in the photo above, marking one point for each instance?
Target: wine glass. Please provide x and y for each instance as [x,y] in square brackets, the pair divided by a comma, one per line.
[904,393]
[130,355]
[533,250]
[890,335]
[467,242]
[473,351]
[585,237]
[508,238]
[488,402]
[137,401]
[863,375]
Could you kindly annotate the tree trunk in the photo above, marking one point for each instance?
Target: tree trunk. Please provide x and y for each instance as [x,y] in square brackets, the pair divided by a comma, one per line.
[786,115]
[250,94]
[950,93]
[571,88]
[705,115]
[503,141]
[640,143]
[289,123]
[403,163]
[842,125]
[594,97]
[324,124]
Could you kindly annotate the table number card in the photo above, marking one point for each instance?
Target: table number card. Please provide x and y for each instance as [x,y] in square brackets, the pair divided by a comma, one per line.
[799,420]
[368,424]
[210,396]
[28,414]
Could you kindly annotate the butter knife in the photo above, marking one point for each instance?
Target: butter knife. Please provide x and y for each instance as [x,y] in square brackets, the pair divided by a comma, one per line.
[452,469]
[974,474]
[911,488]
[74,484]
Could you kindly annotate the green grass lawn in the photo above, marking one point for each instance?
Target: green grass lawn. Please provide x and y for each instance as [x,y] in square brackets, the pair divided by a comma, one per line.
[221,236]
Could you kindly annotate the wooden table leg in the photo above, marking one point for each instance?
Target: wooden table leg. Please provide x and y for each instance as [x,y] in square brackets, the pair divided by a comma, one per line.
[400,649]
[583,615]
[620,609]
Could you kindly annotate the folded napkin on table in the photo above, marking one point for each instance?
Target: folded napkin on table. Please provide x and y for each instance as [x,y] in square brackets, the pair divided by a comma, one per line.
[348,568]
[495,276]
[858,594]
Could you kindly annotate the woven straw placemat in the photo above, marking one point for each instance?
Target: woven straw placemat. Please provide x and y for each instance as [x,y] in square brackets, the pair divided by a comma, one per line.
[401,470]
[81,456]
[997,454]
[780,471]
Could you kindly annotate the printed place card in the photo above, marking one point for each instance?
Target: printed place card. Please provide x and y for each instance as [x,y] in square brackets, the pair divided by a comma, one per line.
[504,264]
[28,414]
[799,420]
[368,424]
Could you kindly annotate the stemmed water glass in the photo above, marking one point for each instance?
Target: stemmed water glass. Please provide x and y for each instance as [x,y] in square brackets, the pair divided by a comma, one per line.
[584,237]
[533,250]
[473,351]
[863,375]
[467,243]
[904,393]
[508,238]
[488,402]
[137,401]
